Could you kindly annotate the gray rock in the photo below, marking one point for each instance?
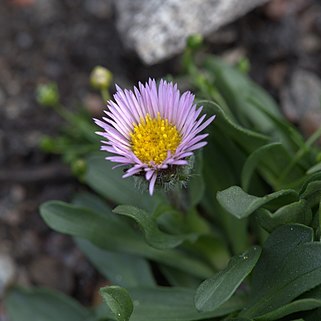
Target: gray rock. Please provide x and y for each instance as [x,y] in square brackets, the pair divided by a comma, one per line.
[301,100]
[50,272]
[99,8]
[46,11]
[7,272]
[157,29]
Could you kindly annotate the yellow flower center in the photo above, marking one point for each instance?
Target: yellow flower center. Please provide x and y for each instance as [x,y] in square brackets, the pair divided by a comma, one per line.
[152,138]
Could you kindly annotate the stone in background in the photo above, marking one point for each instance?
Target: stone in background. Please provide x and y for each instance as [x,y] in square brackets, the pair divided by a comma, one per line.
[157,29]
[301,100]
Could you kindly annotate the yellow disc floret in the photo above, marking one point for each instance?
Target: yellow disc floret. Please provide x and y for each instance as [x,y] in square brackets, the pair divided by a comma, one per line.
[152,138]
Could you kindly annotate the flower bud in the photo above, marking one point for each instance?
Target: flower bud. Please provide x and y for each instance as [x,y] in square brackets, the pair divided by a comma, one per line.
[47,144]
[100,78]
[47,94]
[194,41]
[244,65]
[79,167]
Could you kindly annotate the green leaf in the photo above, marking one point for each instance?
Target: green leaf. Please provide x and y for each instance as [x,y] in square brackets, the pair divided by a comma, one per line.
[114,236]
[289,266]
[43,305]
[308,179]
[275,251]
[119,302]
[154,236]
[122,269]
[175,277]
[95,203]
[214,249]
[174,304]
[248,140]
[237,89]
[283,131]
[196,184]
[270,160]
[85,223]
[215,291]
[109,183]
[297,212]
[228,159]
[241,204]
[314,169]
[293,307]
[312,193]
[311,316]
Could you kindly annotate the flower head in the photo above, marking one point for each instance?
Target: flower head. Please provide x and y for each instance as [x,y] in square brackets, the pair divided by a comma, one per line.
[152,130]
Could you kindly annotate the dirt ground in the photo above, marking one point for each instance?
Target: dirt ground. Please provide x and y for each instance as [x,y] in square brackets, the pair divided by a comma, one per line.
[61,41]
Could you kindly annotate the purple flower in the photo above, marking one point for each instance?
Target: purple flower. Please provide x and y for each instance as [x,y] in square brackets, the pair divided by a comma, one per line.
[152,129]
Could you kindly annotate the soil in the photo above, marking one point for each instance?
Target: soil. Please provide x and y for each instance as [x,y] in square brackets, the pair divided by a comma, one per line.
[61,41]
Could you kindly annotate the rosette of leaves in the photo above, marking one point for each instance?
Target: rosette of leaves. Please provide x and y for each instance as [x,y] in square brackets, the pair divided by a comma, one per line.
[241,242]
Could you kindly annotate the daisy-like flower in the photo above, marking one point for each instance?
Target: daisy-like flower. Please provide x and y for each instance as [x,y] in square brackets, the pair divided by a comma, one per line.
[152,130]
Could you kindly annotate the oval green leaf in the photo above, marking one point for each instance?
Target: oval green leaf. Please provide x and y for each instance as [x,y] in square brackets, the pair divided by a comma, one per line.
[119,302]
[293,307]
[114,235]
[43,305]
[215,291]
[154,236]
[297,212]
[241,204]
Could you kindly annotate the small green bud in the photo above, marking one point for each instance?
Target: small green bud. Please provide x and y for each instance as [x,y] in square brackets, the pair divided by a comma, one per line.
[100,78]
[244,65]
[194,41]
[47,144]
[79,167]
[47,94]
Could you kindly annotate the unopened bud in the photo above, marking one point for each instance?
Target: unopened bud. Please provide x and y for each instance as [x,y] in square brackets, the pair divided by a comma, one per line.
[100,78]
[79,167]
[48,95]
[195,41]
[244,65]
[47,144]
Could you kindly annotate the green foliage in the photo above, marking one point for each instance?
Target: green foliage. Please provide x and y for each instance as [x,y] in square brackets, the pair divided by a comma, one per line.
[289,266]
[154,236]
[215,291]
[43,305]
[124,269]
[119,302]
[109,184]
[175,303]
[255,189]
[48,95]
[115,235]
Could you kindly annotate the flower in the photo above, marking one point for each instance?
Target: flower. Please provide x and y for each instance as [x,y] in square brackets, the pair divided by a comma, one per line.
[152,130]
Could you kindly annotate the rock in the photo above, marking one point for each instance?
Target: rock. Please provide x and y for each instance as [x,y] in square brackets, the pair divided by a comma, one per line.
[300,101]
[99,8]
[22,3]
[48,271]
[29,245]
[46,11]
[157,29]
[276,75]
[277,9]
[7,272]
